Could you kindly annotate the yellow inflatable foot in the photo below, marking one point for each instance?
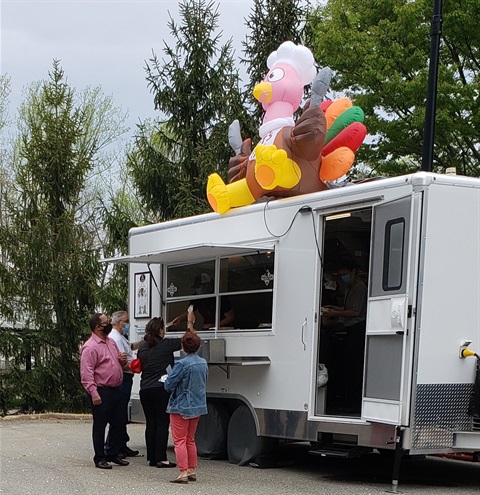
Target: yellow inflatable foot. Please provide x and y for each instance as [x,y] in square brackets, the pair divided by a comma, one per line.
[273,168]
[217,194]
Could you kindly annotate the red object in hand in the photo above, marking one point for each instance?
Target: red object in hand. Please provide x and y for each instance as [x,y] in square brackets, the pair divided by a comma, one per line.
[136,365]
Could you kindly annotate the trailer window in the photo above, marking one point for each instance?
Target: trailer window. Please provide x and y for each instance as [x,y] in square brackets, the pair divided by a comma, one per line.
[186,280]
[250,272]
[248,280]
[393,254]
[234,292]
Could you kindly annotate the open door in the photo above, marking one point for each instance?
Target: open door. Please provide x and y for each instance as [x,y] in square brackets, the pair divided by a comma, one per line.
[346,237]
[387,372]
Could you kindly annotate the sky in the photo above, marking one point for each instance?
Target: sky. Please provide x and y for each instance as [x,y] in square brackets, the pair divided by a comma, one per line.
[102,43]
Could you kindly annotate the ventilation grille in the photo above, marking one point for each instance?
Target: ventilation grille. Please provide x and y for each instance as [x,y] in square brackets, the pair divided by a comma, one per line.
[475,424]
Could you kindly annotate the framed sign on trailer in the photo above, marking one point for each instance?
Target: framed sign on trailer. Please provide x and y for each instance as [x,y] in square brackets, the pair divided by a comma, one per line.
[142,291]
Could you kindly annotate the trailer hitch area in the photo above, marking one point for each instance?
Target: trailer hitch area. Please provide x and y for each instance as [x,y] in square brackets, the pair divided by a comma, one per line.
[465,352]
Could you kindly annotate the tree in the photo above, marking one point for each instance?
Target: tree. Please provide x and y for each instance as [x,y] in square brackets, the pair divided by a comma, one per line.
[4,93]
[49,280]
[5,186]
[380,54]
[197,90]
[119,215]
[4,174]
[271,22]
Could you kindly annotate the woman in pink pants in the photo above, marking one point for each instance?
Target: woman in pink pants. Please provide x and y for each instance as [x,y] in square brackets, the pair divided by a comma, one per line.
[187,383]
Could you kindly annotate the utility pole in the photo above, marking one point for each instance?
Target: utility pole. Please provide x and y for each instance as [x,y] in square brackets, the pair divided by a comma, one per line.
[430,111]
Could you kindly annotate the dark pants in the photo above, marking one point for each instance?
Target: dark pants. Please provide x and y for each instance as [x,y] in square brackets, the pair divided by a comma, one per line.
[355,356]
[125,391]
[108,412]
[154,402]
[345,366]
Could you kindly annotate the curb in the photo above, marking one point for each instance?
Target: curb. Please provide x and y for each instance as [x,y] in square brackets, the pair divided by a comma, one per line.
[28,417]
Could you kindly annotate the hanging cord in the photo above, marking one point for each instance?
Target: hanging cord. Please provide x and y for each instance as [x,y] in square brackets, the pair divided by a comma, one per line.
[278,236]
[315,236]
[303,209]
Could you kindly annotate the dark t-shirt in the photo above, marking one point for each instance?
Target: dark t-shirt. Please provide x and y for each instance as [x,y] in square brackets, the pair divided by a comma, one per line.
[155,360]
[206,307]
[356,298]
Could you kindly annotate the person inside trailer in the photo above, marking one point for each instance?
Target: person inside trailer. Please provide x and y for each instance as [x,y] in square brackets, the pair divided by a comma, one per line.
[354,309]
[206,307]
[347,335]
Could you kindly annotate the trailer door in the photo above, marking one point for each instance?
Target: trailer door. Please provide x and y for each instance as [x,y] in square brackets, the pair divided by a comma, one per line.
[387,372]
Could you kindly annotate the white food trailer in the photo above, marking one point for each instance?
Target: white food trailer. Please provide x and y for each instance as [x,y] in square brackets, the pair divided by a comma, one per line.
[416,242]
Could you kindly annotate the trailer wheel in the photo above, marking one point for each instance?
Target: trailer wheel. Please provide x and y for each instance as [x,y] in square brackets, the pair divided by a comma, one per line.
[243,443]
[211,434]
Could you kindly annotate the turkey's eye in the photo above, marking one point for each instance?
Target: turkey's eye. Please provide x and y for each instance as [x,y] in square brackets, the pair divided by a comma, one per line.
[275,75]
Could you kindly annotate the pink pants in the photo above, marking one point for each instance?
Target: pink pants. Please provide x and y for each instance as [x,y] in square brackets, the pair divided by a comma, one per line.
[183,433]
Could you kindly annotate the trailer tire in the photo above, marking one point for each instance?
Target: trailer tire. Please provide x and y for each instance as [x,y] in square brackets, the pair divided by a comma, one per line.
[243,443]
[211,434]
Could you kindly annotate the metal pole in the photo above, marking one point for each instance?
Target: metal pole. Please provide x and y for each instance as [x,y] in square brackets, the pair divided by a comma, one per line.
[429,126]
[397,460]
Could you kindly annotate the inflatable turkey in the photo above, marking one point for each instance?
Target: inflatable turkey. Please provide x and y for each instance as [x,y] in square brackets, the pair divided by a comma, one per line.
[291,157]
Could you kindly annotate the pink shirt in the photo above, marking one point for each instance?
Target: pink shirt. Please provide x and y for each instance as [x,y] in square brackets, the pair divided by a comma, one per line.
[100,365]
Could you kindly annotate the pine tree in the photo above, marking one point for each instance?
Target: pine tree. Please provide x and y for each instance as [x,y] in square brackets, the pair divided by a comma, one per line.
[48,284]
[270,23]
[196,88]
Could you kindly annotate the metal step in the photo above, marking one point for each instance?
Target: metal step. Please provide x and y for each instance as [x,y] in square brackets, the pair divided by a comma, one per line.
[345,451]
[468,440]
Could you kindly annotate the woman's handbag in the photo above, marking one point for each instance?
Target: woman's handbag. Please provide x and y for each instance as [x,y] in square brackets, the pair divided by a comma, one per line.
[136,365]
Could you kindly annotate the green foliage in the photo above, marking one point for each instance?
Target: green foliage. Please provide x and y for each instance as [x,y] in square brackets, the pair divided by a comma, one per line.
[155,176]
[35,379]
[196,88]
[4,93]
[380,54]
[270,23]
[48,284]
[5,170]
[119,215]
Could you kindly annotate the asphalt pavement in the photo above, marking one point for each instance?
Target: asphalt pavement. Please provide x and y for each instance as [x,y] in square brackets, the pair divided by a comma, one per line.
[52,455]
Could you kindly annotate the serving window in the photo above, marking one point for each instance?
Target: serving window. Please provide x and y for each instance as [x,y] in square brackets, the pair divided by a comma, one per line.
[227,293]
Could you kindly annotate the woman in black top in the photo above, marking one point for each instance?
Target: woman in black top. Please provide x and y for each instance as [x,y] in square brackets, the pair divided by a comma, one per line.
[156,354]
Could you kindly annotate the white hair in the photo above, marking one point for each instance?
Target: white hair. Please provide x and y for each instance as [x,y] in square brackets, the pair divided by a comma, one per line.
[298,57]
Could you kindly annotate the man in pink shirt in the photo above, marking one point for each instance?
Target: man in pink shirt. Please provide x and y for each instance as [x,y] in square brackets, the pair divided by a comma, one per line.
[101,370]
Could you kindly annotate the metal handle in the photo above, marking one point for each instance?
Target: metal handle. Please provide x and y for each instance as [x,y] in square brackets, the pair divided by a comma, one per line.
[303,332]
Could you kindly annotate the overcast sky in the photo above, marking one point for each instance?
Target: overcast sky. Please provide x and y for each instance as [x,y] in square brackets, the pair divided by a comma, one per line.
[99,43]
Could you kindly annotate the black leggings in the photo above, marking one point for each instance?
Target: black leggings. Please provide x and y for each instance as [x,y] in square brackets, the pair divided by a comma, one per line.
[154,402]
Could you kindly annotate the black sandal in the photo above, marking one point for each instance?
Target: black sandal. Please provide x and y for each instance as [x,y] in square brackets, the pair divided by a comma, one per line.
[168,464]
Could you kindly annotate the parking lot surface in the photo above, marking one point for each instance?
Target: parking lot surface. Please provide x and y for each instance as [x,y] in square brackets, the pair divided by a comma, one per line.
[53,456]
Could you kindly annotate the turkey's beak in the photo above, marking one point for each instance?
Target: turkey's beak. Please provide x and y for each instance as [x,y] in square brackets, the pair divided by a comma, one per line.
[263,92]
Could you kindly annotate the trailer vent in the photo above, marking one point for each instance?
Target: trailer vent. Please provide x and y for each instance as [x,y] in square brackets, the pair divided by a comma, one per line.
[476,424]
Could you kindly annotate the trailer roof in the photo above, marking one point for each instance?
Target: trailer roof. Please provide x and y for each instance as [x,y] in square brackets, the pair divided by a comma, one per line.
[317,200]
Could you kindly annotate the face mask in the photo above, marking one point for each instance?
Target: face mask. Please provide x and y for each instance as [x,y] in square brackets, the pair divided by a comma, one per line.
[347,278]
[126,328]
[107,329]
